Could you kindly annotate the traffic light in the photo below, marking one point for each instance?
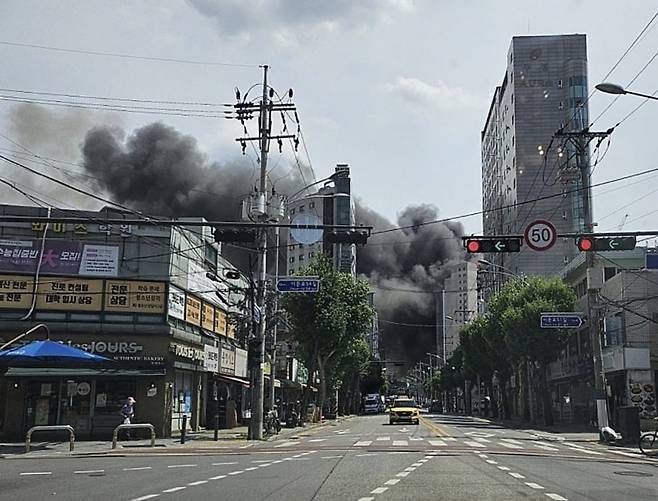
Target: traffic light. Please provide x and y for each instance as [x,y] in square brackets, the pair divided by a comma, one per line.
[346,237]
[475,245]
[234,235]
[594,243]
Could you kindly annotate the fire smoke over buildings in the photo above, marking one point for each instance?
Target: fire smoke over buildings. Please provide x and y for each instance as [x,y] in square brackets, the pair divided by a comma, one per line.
[162,172]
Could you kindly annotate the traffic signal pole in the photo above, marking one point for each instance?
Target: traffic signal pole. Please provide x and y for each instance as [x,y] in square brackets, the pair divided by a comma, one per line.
[580,141]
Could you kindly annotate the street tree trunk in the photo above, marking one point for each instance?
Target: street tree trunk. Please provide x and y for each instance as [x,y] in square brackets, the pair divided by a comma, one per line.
[546,397]
[525,390]
[323,384]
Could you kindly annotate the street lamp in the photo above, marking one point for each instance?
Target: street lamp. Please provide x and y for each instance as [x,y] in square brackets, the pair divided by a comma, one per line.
[611,88]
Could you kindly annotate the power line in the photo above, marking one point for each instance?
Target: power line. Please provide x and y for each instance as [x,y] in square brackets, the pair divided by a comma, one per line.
[126,56]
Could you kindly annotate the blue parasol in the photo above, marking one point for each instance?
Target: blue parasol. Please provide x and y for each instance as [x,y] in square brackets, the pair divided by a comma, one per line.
[48,354]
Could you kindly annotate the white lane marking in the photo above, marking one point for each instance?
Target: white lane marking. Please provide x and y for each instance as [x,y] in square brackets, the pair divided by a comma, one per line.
[511,440]
[363,443]
[400,443]
[571,444]
[473,444]
[417,464]
[491,461]
[174,489]
[546,447]
[198,482]
[379,490]
[251,468]
[449,439]
[586,451]
[423,460]
[317,440]
[366,499]
[483,456]
[237,472]
[256,461]
[330,457]
[367,454]
[138,468]
[277,461]
[393,481]
[342,432]
[181,466]
[403,430]
[383,439]
[37,473]
[480,439]
[144,498]
[503,468]
[286,444]
[515,475]
[297,459]
[222,464]
[402,474]
[629,454]
[533,485]
[437,443]
[510,446]
[410,468]
[415,439]
[557,497]
[82,472]
[218,477]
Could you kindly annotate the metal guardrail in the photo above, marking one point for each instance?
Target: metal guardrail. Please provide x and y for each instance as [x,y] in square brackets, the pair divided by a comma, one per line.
[115,434]
[64,427]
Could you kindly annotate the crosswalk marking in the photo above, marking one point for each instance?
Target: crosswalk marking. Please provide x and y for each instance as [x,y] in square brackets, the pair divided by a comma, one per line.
[586,451]
[546,446]
[480,439]
[317,440]
[363,443]
[383,439]
[437,442]
[512,441]
[450,439]
[400,442]
[416,438]
[286,444]
[510,446]
[473,444]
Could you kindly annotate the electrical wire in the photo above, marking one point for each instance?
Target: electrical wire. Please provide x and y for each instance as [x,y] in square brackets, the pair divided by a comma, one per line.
[126,56]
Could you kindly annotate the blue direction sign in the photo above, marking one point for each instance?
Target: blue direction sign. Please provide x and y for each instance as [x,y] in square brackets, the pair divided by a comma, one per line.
[561,320]
[298,284]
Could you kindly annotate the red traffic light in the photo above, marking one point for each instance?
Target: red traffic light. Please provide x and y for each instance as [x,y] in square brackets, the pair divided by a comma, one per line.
[473,246]
[585,244]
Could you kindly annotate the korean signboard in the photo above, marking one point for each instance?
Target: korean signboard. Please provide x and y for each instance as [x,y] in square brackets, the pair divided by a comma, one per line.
[15,292]
[69,294]
[211,363]
[176,303]
[240,362]
[60,257]
[134,297]
[227,365]
[220,322]
[207,316]
[184,351]
[193,310]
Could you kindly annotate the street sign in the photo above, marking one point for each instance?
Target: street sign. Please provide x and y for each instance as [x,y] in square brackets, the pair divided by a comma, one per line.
[488,244]
[571,320]
[305,235]
[298,284]
[540,235]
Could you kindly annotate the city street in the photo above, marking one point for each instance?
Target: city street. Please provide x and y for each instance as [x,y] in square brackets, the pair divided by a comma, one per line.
[362,458]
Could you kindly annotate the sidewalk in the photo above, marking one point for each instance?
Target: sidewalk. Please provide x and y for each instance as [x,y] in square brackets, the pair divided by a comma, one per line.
[204,439]
[571,432]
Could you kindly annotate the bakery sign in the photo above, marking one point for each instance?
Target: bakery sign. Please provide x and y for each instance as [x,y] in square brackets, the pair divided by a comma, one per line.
[181,350]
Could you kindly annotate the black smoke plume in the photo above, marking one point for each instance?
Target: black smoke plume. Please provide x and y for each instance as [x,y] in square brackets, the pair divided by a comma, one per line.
[162,172]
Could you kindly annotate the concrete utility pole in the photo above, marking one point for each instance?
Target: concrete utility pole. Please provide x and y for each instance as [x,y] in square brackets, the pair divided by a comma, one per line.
[275,311]
[580,141]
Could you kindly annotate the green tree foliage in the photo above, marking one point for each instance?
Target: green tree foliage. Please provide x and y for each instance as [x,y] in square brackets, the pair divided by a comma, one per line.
[327,325]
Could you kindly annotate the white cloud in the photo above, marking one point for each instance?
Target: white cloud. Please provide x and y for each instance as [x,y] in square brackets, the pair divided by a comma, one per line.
[436,96]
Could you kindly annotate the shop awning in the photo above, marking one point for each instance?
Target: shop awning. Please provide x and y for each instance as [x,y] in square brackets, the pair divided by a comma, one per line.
[80,372]
[234,379]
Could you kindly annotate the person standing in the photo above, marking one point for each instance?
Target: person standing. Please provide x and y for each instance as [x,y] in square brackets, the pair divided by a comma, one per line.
[128,413]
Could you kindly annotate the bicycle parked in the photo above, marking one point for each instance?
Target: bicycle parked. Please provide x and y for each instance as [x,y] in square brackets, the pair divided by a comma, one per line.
[649,441]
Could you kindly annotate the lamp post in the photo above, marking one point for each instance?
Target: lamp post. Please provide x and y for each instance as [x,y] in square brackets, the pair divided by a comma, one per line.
[615,89]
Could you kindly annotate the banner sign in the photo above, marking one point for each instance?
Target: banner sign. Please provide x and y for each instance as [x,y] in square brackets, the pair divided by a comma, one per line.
[15,292]
[227,360]
[176,303]
[193,310]
[134,297]
[70,294]
[60,257]
[220,322]
[211,363]
[207,316]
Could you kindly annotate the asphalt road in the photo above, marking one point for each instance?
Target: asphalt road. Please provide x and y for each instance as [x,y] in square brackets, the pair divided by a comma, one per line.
[360,459]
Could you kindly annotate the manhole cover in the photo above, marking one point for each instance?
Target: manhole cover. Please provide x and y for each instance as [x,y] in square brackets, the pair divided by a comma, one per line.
[633,474]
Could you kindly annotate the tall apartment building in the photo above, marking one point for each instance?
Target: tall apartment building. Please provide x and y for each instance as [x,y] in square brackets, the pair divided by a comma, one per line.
[331,204]
[461,302]
[544,89]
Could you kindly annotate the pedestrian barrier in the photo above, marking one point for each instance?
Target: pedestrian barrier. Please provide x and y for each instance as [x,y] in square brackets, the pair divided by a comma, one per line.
[65,427]
[115,434]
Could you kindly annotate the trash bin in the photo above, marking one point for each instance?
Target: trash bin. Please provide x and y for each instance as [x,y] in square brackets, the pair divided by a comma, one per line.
[628,424]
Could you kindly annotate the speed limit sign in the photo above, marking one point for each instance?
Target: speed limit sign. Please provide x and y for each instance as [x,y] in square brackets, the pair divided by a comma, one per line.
[540,235]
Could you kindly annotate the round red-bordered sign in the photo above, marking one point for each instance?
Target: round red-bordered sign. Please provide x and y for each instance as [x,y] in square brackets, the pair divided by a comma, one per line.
[540,235]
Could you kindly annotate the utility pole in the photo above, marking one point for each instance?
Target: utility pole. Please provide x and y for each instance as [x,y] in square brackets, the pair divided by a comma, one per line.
[580,141]
[276,319]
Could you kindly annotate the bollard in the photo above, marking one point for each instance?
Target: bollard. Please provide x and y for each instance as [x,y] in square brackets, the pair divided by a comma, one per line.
[216,426]
[183,429]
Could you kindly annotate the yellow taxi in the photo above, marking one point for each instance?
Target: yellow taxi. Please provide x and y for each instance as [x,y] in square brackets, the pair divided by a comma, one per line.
[404,410]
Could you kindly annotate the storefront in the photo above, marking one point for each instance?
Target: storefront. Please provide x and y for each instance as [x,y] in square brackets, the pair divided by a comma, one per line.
[89,399]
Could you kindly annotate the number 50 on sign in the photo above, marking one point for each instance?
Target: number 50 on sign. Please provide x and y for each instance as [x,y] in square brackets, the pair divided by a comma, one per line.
[540,235]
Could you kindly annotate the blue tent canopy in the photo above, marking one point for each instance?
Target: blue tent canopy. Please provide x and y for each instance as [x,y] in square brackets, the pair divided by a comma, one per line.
[49,354]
